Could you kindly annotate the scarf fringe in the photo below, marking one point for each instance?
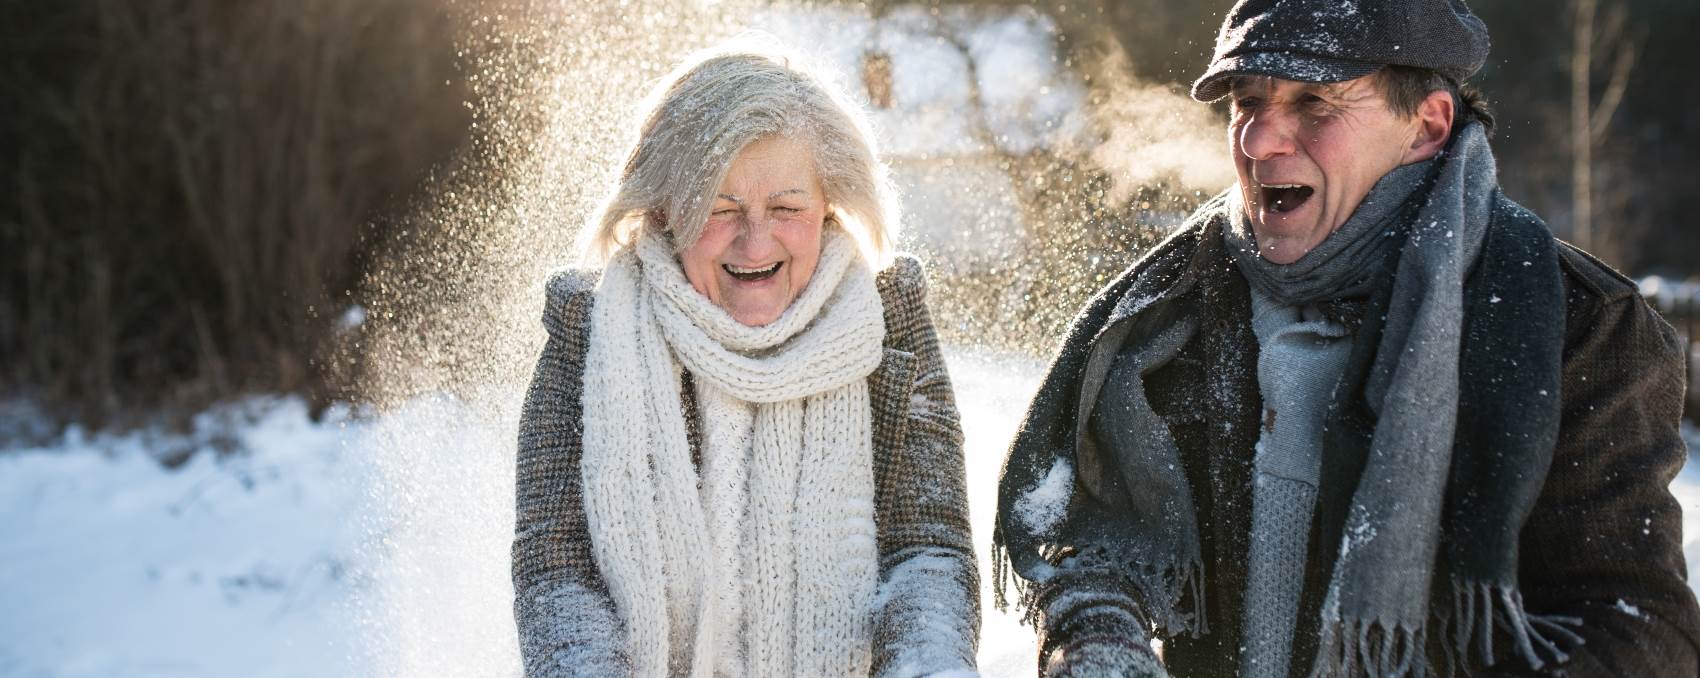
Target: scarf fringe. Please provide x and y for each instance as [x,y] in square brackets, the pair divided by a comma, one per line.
[1352,647]
[1475,614]
[1359,647]
[1003,579]
[1177,594]
[1027,591]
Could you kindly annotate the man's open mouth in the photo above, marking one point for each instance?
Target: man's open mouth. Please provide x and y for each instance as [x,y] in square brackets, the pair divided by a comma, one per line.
[1283,198]
[752,274]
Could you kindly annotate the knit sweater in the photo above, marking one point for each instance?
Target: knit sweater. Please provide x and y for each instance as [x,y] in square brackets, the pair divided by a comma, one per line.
[1301,355]
[926,615]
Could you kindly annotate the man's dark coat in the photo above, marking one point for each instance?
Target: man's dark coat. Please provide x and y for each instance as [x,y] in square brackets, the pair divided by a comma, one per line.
[1602,544]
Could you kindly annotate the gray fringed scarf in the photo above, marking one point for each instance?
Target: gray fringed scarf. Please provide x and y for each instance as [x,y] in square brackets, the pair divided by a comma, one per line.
[1394,515]
[1352,259]
[1296,375]
[1383,576]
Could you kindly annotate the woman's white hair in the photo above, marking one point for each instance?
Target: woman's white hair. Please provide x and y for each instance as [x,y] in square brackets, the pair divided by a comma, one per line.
[704,113]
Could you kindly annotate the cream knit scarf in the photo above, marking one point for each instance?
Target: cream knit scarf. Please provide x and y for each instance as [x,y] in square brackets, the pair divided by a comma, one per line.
[765,562]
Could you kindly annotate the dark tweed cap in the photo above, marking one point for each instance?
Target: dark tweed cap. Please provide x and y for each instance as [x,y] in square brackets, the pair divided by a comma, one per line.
[1336,40]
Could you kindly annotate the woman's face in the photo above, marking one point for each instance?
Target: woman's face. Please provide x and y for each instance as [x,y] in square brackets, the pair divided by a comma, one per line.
[763,236]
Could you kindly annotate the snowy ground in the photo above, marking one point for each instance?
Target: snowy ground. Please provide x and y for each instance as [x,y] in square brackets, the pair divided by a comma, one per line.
[355,546]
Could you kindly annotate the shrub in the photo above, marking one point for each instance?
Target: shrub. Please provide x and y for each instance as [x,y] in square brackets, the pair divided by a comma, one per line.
[191,186]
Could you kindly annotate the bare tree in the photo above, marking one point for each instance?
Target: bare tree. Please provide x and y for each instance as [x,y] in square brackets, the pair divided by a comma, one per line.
[1590,119]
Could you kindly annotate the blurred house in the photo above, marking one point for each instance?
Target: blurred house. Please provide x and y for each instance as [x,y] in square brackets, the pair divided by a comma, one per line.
[957,96]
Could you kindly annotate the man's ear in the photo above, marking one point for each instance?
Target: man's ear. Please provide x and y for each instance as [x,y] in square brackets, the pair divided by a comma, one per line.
[1434,126]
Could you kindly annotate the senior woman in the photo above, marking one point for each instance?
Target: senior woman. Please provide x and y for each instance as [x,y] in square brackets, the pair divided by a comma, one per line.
[740,454]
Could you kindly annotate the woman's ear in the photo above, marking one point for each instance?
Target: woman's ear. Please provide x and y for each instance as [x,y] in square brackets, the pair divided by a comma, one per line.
[1434,126]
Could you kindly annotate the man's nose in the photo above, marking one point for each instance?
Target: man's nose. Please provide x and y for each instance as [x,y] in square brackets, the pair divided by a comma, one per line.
[1269,133]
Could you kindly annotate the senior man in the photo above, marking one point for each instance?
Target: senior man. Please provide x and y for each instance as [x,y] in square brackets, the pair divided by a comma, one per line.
[1362,414]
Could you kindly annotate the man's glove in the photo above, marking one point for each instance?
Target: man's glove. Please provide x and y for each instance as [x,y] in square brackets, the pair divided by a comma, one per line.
[1104,657]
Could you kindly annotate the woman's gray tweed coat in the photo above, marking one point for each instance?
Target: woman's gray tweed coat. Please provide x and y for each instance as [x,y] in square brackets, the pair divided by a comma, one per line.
[928,612]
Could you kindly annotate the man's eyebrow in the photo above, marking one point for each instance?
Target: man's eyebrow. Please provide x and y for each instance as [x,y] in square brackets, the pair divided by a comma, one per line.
[1240,84]
[732,198]
[787,191]
[1348,91]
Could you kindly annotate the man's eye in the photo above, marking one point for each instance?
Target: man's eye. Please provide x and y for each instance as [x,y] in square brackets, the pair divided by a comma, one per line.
[724,213]
[786,210]
[1246,103]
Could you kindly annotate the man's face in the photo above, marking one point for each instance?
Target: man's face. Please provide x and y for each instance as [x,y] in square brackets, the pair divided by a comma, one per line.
[1308,153]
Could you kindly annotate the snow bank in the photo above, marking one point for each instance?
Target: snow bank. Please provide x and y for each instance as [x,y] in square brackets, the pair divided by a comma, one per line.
[239,562]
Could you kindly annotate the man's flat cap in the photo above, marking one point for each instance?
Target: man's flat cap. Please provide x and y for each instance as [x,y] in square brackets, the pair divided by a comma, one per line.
[1338,40]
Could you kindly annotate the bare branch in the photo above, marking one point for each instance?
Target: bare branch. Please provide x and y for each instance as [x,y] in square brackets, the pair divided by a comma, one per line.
[1612,33]
[1614,92]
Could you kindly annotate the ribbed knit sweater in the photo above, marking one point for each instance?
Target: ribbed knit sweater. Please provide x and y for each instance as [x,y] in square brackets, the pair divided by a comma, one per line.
[1301,355]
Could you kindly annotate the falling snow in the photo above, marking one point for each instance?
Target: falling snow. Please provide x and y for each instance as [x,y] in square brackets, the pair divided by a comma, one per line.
[265,543]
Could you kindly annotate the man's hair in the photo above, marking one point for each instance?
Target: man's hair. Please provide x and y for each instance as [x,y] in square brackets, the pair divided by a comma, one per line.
[1405,87]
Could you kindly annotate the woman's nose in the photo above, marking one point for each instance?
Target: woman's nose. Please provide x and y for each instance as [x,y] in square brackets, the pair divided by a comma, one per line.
[756,235]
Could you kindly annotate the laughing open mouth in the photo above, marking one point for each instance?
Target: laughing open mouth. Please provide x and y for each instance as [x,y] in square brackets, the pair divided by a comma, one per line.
[752,274]
[1283,198]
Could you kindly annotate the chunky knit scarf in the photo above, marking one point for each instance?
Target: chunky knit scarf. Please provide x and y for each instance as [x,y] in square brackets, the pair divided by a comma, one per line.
[763,561]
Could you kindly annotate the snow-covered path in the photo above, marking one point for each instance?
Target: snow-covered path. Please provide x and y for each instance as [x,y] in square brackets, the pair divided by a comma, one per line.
[355,546]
